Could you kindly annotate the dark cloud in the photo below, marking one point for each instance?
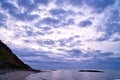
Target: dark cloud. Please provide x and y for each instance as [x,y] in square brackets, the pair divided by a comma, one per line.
[47,28]
[76,2]
[106,54]
[40,33]
[29,33]
[113,60]
[116,39]
[55,23]
[64,41]
[85,23]
[51,64]
[25,16]
[1,1]
[47,62]
[57,11]
[49,42]
[61,14]
[109,63]
[60,2]
[46,42]
[8,6]
[27,4]
[97,54]
[58,18]
[115,15]
[75,53]
[26,53]
[108,35]
[3,19]
[23,52]
[81,13]
[16,13]
[113,28]
[100,5]
[103,55]
[50,21]
[45,2]
[24,3]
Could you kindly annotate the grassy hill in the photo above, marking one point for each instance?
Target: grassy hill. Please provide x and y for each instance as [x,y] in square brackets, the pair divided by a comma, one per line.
[8,60]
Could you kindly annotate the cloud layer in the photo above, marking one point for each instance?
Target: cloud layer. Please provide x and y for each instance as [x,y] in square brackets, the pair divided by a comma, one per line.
[62,31]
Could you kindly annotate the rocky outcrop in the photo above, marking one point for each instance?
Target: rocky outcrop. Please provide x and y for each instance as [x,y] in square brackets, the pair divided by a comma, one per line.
[90,71]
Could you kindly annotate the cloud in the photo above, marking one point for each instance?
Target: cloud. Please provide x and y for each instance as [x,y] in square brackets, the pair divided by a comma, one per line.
[108,63]
[9,6]
[111,27]
[76,2]
[102,55]
[57,11]
[45,2]
[100,5]
[79,32]
[50,21]
[3,19]
[25,16]
[15,12]
[85,23]
[75,52]
[25,3]
[116,39]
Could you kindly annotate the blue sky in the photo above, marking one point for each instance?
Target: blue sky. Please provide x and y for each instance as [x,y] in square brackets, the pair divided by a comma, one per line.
[63,34]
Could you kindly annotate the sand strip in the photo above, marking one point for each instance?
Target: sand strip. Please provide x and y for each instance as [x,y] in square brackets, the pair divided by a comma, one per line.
[17,75]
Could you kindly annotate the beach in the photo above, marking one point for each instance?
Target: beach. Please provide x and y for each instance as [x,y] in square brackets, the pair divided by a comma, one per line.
[15,75]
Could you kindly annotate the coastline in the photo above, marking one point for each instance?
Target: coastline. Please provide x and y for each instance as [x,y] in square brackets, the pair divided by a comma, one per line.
[16,75]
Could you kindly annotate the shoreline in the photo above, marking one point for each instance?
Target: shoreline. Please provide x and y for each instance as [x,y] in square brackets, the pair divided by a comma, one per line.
[4,71]
[16,75]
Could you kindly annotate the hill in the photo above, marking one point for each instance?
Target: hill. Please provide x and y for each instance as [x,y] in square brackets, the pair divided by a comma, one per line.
[8,60]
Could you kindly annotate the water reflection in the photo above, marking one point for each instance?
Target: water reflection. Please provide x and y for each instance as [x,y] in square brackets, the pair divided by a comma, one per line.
[74,75]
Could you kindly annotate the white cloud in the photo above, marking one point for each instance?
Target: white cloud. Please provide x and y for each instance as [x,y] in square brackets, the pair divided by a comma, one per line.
[16,31]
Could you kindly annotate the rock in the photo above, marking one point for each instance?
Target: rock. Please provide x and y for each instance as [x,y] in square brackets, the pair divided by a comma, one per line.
[90,71]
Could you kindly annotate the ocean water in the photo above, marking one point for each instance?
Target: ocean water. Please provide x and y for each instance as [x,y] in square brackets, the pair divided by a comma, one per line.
[75,75]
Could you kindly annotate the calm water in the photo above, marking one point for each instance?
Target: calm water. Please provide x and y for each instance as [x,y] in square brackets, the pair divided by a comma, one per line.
[75,75]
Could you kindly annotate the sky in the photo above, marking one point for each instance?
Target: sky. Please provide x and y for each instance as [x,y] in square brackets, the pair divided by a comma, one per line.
[63,34]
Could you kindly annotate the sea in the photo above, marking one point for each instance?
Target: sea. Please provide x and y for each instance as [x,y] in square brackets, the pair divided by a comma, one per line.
[75,75]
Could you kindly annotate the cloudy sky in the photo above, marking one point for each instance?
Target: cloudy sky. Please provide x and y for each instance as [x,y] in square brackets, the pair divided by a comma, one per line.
[63,34]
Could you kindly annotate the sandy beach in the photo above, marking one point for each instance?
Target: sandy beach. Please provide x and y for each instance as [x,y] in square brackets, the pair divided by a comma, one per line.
[16,75]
